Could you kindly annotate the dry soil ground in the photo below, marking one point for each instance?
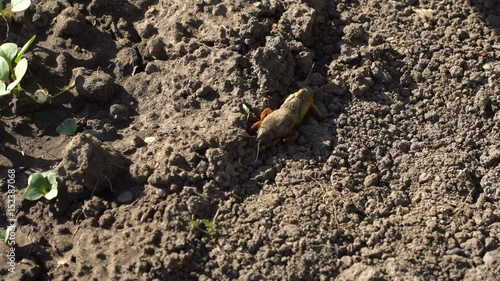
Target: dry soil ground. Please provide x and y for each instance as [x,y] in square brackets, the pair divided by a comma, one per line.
[402,182]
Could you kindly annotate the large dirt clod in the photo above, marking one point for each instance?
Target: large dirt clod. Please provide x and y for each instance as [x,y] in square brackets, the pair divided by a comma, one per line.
[88,166]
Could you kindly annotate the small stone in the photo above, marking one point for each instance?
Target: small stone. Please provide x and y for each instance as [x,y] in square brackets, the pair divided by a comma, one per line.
[149,140]
[119,111]
[125,197]
[454,251]
[371,180]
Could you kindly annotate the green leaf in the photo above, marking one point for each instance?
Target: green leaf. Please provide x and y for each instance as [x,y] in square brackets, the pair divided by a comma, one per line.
[38,186]
[68,127]
[209,224]
[19,72]
[10,51]
[41,95]
[20,145]
[3,91]
[4,69]
[3,235]
[24,49]
[194,223]
[245,107]
[51,177]
[41,184]
[20,5]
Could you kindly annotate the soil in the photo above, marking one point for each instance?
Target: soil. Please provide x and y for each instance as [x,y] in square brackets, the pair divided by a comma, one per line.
[401,182]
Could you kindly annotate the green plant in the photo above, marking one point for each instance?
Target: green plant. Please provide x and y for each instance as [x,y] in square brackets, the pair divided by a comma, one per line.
[208,225]
[41,185]
[247,110]
[16,6]
[5,233]
[42,95]
[13,66]
[20,147]
[67,127]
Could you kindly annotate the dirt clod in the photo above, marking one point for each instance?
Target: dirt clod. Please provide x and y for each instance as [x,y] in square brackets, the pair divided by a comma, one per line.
[88,166]
[95,86]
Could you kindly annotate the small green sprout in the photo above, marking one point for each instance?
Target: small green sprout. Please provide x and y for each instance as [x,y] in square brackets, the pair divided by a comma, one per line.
[16,6]
[13,67]
[20,147]
[67,127]
[247,110]
[42,95]
[208,225]
[41,185]
[20,5]
[5,233]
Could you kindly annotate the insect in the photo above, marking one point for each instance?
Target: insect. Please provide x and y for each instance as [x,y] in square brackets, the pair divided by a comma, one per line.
[280,125]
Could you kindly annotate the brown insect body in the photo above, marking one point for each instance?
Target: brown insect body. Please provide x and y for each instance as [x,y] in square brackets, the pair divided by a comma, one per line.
[279,125]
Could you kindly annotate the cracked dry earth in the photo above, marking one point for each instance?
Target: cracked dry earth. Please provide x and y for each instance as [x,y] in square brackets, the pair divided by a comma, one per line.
[402,182]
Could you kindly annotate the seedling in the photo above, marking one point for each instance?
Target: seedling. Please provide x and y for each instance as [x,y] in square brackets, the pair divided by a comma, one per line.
[5,233]
[16,6]
[208,225]
[247,110]
[20,147]
[67,127]
[13,66]
[41,185]
[42,95]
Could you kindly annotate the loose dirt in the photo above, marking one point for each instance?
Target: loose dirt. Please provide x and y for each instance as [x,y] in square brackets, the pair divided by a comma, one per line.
[402,182]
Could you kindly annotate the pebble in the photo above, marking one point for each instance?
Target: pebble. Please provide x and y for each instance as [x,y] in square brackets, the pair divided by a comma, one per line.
[119,111]
[454,251]
[149,140]
[125,197]
[371,180]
